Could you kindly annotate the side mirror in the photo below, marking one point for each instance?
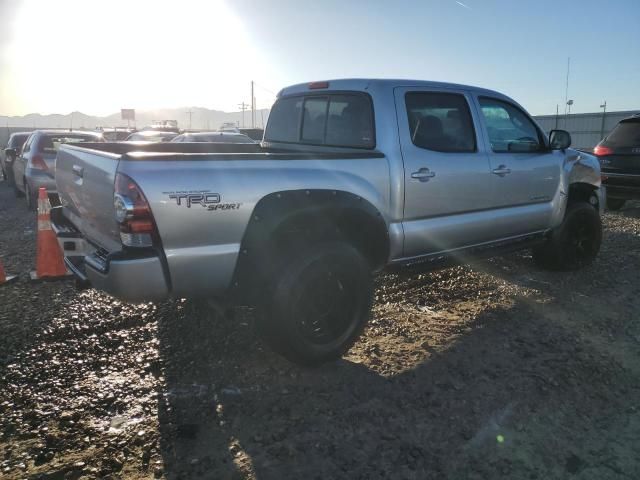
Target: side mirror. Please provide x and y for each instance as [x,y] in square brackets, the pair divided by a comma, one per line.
[559,139]
[10,152]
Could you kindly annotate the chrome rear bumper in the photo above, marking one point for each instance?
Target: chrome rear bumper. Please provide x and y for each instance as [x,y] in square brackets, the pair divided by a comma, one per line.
[133,276]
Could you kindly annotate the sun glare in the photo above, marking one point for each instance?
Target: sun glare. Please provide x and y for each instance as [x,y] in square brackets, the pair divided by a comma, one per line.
[98,57]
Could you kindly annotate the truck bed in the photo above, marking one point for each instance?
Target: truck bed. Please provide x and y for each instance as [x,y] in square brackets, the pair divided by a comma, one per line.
[200,242]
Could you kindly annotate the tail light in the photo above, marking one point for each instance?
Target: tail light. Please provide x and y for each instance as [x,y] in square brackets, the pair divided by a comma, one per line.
[133,213]
[601,150]
[37,162]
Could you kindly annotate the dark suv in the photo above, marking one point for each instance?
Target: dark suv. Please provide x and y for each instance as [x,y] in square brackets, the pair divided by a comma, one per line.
[619,155]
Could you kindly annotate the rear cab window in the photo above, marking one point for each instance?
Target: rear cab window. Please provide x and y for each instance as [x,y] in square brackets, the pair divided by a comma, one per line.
[343,119]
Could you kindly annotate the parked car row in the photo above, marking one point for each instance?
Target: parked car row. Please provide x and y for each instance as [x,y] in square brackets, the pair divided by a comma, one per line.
[33,162]
[28,161]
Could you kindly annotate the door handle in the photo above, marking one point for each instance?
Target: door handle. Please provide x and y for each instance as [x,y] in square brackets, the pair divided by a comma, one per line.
[424,174]
[78,170]
[501,171]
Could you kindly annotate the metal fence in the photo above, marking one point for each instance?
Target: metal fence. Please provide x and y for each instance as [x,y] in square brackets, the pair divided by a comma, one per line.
[586,129]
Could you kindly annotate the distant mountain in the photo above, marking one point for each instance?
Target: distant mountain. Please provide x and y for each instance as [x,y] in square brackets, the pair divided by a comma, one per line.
[201,118]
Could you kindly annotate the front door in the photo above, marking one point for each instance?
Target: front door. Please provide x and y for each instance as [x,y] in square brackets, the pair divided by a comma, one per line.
[525,172]
[446,170]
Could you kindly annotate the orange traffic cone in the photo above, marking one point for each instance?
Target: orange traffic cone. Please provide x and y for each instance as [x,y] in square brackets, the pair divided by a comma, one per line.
[3,276]
[49,262]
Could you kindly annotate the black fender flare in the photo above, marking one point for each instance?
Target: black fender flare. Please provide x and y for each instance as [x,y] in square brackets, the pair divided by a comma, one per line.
[327,213]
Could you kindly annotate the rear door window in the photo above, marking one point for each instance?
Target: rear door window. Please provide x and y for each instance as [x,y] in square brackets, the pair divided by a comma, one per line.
[625,134]
[440,122]
[337,120]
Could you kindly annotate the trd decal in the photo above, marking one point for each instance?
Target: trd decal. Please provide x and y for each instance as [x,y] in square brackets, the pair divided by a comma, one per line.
[204,198]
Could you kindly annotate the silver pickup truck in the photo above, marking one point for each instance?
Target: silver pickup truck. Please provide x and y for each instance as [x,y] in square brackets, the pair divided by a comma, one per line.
[351,176]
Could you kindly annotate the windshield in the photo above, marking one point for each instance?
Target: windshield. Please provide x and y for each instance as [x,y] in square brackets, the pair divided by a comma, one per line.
[17,141]
[149,136]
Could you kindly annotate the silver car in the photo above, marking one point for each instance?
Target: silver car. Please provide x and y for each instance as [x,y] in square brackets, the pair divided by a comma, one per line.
[35,166]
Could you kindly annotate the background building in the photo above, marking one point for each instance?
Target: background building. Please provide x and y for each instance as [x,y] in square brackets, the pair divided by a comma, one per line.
[586,129]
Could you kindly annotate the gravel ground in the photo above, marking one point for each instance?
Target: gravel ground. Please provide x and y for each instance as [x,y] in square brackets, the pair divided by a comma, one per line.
[494,371]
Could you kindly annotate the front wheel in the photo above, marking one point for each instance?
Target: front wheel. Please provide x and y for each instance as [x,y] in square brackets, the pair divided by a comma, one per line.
[575,243]
[318,303]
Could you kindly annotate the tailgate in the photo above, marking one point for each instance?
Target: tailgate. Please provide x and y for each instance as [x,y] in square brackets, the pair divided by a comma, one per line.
[85,180]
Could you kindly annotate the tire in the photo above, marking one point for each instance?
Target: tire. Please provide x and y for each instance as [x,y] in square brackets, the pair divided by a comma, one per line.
[318,303]
[575,243]
[17,191]
[31,201]
[615,203]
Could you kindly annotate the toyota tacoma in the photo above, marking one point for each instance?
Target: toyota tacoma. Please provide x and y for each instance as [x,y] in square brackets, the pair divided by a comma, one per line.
[352,176]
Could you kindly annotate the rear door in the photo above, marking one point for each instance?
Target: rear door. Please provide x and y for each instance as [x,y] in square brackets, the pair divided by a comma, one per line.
[447,179]
[525,174]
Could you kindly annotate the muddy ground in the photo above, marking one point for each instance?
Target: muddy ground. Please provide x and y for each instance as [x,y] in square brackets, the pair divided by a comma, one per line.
[494,371]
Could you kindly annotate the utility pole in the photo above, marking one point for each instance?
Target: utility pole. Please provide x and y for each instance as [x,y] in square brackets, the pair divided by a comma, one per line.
[557,110]
[253,108]
[566,90]
[604,113]
[243,106]
[189,112]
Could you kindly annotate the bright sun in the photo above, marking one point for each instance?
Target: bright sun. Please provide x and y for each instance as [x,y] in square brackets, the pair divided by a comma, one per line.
[100,56]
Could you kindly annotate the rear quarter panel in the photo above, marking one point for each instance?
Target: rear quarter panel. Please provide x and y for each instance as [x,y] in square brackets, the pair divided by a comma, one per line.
[202,245]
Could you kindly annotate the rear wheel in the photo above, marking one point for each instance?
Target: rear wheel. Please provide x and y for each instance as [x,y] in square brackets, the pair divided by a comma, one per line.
[615,203]
[31,200]
[575,243]
[318,303]
[17,191]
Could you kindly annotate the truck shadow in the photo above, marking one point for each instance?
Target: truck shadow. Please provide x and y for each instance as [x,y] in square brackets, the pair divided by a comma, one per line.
[232,409]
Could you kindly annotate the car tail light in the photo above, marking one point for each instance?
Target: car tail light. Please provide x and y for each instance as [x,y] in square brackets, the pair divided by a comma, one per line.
[37,162]
[318,85]
[133,213]
[601,150]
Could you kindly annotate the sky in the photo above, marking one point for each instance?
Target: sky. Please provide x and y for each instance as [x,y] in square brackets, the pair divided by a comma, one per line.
[58,56]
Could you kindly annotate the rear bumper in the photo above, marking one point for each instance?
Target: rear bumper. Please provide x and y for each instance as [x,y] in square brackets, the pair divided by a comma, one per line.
[133,276]
[622,185]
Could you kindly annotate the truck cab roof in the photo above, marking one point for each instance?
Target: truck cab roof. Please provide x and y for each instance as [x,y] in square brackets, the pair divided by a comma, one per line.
[365,84]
